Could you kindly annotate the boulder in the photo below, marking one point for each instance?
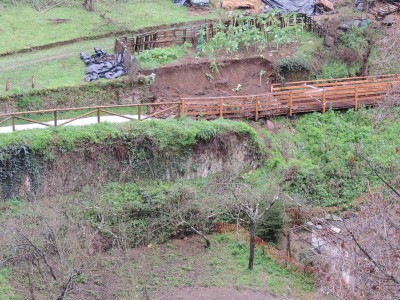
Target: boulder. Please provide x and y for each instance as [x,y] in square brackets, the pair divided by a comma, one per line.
[388,20]
[329,41]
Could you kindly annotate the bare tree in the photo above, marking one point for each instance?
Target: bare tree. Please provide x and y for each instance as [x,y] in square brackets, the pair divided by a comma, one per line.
[245,204]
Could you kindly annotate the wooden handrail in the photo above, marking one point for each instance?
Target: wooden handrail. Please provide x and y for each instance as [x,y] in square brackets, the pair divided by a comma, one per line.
[239,106]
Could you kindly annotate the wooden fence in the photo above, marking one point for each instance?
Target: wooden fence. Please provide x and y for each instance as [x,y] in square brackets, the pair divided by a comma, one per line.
[53,117]
[178,36]
[294,97]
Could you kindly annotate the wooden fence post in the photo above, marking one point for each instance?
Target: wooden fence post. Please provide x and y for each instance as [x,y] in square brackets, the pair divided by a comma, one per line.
[221,113]
[7,84]
[98,115]
[139,112]
[290,104]
[33,81]
[55,118]
[178,114]
[356,98]
[256,109]
[183,106]
[323,101]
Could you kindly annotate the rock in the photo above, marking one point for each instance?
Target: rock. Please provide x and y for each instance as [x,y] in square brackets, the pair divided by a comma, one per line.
[309,224]
[328,217]
[388,20]
[335,229]
[329,41]
[325,5]
[336,218]
[319,227]
[270,125]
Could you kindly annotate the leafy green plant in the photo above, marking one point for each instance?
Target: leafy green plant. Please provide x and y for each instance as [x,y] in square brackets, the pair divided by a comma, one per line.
[334,69]
[150,59]
[238,88]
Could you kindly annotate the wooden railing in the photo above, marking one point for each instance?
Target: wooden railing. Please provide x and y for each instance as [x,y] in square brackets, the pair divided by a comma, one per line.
[310,84]
[294,98]
[52,116]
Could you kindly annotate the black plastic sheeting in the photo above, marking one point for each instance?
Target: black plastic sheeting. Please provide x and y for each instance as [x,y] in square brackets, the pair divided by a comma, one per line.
[192,2]
[102,65]
[298,6]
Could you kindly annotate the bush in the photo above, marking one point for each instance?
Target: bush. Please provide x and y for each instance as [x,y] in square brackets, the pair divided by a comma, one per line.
[288,65]
[270,226]
[334,70]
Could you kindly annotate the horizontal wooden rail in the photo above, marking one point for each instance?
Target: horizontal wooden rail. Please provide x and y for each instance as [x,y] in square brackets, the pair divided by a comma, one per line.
[54,118]
[239,106]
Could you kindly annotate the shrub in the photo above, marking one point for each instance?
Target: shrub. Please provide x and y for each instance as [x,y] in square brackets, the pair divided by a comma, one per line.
[334,70]
[288,65]
[271,225]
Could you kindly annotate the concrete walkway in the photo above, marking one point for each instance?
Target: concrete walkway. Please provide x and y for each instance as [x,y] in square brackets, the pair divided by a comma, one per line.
[79,122]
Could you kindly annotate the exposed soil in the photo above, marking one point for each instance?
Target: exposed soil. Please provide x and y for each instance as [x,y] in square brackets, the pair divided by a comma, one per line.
[194,77]
[199,80]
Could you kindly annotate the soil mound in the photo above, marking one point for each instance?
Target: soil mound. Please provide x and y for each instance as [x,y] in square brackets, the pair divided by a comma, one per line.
[231,77]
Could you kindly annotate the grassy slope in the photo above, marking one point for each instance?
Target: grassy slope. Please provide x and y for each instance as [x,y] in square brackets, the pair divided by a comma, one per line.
[173,133]
[17,33]
[62,67]
[318,154]
[223,265]
[52,68]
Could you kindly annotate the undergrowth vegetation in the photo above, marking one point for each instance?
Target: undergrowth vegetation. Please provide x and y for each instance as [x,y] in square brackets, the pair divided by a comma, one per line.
[243,32]
[151,59]
[324,157]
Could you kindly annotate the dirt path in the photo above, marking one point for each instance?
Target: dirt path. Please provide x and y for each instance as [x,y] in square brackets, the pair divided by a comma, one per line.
[211,293]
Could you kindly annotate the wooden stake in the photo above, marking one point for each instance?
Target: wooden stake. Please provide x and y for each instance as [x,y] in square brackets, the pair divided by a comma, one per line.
[33,81]
[55,118]
[183,107]
[323,101]
[13,123]
[139,112]
[256,109]
[98,115]
[356,98]
[290,104]
[221,108]
[178,114]
[7,84]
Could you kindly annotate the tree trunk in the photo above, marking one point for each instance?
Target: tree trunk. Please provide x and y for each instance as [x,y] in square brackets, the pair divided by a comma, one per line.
[252,229]
[89,5]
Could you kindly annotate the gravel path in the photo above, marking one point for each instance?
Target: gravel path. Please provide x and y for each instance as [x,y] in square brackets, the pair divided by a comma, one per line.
[79,122]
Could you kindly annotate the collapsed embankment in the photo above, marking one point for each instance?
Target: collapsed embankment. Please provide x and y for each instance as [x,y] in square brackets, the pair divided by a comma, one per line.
[245,76]
[41,163]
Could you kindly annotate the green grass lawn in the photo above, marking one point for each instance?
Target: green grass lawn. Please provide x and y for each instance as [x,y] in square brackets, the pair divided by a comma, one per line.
[58,67]
[22,27]
[62,66]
